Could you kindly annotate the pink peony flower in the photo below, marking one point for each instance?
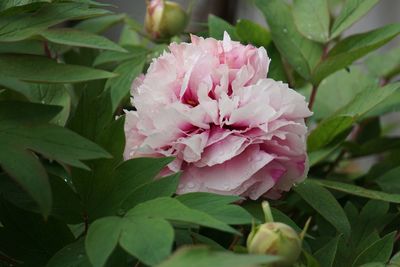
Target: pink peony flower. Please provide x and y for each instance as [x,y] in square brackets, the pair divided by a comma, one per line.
[232,130]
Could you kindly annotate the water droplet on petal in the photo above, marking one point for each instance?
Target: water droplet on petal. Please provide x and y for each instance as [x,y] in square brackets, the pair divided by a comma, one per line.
[190,185]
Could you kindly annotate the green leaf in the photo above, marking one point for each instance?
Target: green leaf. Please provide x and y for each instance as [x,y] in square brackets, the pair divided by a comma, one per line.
[165,187]
[276,69]
[321,154]
[338,123]
[389,181]
[326,254]
[112,56]
[368,100]
[384,64]
[352,48]
[120,86]
[32,177]
[53,142]
[374,264]
[218,26]
[72,255]
[127,178]
[4,5]
[342,86]
[19,138]
[217,206]
[148,239]
[325,204]
[358,191]
[66,203]
[173,209]
[32,47]
[252,33]
[327,130]
[72,37]
[302,53]
[102,238]
[205,257]
[279,216]
[394,261]
[100,24]
[351,12]
[26,112]
[129,34]
[52,94]
[314,27]
[379,251]
[22,26]
[25,67]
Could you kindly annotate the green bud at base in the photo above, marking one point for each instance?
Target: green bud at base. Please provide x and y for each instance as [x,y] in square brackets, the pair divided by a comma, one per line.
[275,238]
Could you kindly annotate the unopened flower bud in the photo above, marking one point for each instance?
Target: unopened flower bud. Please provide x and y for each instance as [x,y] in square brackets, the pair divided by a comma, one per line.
[165,19]
[275,238]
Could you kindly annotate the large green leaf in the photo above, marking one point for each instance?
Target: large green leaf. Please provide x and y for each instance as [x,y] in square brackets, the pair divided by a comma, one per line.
[25,67]
[4,5]
[358,191]
[205,257]
[165,187]
[326,254]
[32,177]
[389,181]
[315,27]
[112,56]
[327,131]
[52,94]
[148,239]
[252,33]
[72,255]
[102,238]
[342,86]
[302,53]
[218,26]
[379,251]
[325,204]
[116,188]
[394,261]
[120,86]
[352,11]
[173,209]
[100,24]
[338,123]
[26,113]
[19,137]
[352,48]
[217,206]
[386,64]
[21,26]
[72,37]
